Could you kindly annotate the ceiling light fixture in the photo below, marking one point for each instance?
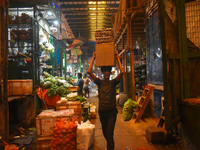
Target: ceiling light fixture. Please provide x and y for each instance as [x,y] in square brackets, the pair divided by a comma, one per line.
[49,13]
[102,2]
[56,22]
[90,2]
[101,8]
[92,8]
[98,8]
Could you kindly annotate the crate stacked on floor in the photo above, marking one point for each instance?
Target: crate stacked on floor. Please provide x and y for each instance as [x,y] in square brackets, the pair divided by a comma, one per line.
[75,105]
[104,35]
[48,124]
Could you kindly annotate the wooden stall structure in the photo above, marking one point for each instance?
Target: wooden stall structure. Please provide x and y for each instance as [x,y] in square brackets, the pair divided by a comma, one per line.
[4,114]
[129,34]
[25,111]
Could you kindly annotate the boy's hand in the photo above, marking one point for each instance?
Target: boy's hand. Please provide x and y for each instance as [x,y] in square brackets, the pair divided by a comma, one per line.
[94,54]
[116,54]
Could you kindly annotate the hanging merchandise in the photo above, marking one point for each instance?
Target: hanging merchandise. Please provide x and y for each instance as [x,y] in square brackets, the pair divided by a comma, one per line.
[45,47]
[75,43]
[76,51]
[22,44]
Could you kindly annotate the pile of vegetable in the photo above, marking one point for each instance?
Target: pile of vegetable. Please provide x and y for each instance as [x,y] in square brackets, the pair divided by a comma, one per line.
[56,85]
[64,135]
[70,80]
[128,109]
[77,98]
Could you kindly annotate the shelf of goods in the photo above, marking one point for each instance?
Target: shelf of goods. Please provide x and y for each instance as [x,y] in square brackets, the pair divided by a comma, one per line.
[140,69]
[23,44]
[140,76]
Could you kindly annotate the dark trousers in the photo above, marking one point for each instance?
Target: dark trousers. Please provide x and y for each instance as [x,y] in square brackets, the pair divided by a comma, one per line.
[108,120]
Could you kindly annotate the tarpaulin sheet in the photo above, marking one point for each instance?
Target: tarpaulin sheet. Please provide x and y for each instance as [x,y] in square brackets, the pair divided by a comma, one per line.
[75,43]
[50,101]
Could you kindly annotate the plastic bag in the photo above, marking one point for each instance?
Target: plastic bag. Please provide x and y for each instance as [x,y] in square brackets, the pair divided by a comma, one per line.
[85,135]
[128,109]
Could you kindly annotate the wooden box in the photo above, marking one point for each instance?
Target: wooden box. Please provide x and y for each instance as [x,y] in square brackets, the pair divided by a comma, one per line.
[105,54]
[75,105]
[44,124]
[155,134]
[20,87]
[73,88]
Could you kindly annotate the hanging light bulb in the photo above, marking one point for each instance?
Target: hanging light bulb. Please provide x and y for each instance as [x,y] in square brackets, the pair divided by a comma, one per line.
[56,22]
[49,13]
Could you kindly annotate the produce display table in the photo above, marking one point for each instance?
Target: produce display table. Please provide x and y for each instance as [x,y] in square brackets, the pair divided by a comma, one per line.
[50,101]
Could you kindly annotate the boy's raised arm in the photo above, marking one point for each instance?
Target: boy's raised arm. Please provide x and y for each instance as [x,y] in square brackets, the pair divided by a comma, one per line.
[90,67]
[120,67]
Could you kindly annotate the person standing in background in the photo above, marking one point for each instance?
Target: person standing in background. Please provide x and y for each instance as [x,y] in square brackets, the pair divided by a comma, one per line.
[86,85]
[107,99]
[79,84]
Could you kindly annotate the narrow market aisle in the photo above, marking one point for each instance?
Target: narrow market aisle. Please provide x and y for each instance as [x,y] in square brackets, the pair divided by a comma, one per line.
[127,133]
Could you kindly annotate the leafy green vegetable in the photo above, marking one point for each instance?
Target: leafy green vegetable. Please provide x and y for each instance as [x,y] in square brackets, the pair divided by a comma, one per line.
[117,90]
[41,82]
[47,74]
[47,84]
[76,98]
[128,109]
[52,90]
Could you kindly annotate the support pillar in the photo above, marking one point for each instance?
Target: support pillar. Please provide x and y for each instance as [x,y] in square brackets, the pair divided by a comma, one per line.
[132,60]
[124,65]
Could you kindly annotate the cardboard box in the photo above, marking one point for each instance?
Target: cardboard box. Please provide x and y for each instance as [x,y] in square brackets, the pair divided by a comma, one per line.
[155,134]
[75,105]
[45,123]
[105,54]
[73,88]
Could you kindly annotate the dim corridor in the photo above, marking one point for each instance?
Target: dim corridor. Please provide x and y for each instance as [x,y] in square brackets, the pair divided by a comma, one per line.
[128,133]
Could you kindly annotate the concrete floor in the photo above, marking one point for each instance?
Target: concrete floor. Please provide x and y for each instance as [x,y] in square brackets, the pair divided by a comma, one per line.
[128,133]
